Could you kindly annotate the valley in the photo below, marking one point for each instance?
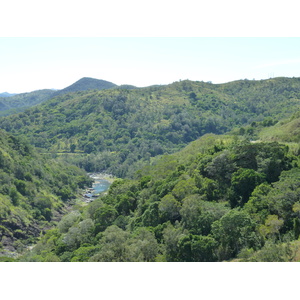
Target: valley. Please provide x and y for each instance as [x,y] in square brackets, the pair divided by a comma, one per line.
[197,172]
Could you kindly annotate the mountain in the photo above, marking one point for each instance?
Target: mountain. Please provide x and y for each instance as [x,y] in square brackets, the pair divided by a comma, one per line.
[34,193]
[119,129]
[85,84]
[20,102]
[6,94]
[15,103]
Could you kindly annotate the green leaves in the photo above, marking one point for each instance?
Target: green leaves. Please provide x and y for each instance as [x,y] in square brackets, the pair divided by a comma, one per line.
[234,231]
[104,217]
[215,200]
[30,188]
[243,183]
[138,124]
[169,208]
[197,248]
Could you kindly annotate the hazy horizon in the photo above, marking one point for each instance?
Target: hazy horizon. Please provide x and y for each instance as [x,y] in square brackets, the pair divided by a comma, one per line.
[29,64]
[54,89]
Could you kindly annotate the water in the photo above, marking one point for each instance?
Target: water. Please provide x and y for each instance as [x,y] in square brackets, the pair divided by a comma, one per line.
[100,186]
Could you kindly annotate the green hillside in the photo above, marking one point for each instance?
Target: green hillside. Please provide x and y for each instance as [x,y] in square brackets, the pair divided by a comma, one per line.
[286,130]
[20,102]
[113,129]
[34,192]
[209,173]
[12,104]
[271,130]
[85,84]
[220,198]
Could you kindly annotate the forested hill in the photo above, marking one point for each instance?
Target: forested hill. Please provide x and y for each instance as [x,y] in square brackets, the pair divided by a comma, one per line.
[14,103]
[20,102]
[114,128]
[220,198]
[85,84]
[34,192]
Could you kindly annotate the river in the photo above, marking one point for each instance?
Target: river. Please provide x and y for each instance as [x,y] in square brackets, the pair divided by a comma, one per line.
[101,184]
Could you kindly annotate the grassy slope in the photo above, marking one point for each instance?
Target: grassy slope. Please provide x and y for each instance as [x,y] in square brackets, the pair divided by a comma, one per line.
[285,131]
[34,192]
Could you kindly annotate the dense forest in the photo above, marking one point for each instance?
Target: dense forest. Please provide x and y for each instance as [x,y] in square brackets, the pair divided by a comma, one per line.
[120,130]
[15,103]
[206,173]
[220,198]
[34,192]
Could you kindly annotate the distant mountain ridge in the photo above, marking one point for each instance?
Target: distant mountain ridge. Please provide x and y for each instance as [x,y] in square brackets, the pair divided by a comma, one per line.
[20,102]
[15,103]
[5,94]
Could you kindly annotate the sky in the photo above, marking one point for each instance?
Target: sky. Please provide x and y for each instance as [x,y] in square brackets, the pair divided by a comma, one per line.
[33,63]
[53,44]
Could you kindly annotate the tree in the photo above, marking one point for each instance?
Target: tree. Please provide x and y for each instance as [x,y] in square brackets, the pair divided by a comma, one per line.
[296,209]
[104,217]
[142,246]
[184,188]
[65,193]
[274,253]
[190,213]
[169,208]
[79,234]
[221,167]
[151,216]
[112,245]
[196,248]
[21,186]
[209,188]
[243,182]
[171,236]
[258,206]
[72,238]
[72,148]
[234,231]
[84,253]
[271,227]
[44,204]
[14,195]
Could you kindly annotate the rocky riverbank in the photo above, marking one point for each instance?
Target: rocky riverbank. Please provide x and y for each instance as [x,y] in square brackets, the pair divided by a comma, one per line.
[102,176]
[101,184]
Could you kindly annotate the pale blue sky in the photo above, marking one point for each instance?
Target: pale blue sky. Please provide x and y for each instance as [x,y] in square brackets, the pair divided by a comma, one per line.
[28,64]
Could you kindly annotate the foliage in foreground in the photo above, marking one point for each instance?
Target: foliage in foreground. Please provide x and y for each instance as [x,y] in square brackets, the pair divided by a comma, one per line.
[34,192]
[220,198]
